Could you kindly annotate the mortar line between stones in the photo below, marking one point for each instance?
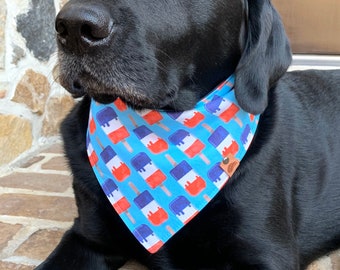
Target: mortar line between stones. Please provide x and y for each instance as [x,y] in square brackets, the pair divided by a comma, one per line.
[42,171]
[67,194]
[36,222]
[22,260]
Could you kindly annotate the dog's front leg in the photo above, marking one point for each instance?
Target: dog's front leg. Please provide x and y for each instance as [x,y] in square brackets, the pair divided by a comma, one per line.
[74,253]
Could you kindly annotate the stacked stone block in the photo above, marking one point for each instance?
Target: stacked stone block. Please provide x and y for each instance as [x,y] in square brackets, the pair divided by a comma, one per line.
[32,103]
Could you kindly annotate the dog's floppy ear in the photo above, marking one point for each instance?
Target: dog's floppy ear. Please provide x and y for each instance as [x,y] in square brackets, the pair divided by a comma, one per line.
[265,57]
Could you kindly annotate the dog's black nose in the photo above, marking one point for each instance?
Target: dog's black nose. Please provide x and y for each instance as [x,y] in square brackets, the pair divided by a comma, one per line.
[83,26]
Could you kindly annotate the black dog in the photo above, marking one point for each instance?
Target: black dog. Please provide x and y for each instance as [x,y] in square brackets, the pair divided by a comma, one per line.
[280,210]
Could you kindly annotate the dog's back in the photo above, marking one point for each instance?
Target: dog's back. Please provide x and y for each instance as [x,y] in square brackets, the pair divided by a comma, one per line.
[308,137]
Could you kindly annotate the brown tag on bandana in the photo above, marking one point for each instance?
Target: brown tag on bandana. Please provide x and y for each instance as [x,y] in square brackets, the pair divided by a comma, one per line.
[230,164]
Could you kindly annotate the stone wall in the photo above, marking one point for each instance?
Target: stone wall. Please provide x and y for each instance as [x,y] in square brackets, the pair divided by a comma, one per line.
[32,103]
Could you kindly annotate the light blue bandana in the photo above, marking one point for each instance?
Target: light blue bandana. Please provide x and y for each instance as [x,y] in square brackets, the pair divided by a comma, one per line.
[159,169]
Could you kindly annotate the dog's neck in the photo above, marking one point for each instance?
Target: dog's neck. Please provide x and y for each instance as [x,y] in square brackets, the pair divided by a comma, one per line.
[201,83]
[159,169]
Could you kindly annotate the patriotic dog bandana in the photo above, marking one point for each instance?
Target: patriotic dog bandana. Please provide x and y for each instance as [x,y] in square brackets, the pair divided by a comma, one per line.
[159,169]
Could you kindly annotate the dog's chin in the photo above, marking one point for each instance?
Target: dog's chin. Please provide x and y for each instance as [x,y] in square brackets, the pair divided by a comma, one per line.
[134,99]
[104,98]
[135,102]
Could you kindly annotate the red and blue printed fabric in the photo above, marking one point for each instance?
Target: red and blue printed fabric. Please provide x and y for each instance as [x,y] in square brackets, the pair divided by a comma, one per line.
[159,169]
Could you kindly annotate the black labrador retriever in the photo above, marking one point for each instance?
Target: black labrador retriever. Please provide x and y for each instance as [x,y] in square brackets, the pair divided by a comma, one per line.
[281,209]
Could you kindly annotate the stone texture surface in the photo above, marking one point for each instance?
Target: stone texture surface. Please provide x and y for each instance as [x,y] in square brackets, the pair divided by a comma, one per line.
[32,161]
[29,214]
[18,54]
[63,2]
[2,92]
[37,181]
[33,23]
[15,137]
[27,43]
[7,231]
[335,258]
[3,16]
[33,90]
[56,149]
[57,108]
[14,266]
[56,163]
[40,244]
[323,263]
[41,207]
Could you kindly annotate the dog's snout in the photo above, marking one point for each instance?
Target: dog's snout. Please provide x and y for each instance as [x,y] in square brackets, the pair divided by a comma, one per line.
[82,27]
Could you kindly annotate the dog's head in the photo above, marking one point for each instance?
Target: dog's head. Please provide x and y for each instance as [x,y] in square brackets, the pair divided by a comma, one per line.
[169,54]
